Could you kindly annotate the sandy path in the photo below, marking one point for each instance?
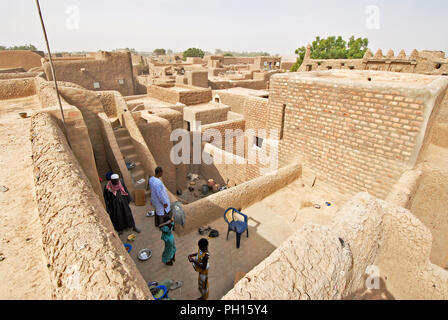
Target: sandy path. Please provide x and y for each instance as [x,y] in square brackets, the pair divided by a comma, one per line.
[23,271]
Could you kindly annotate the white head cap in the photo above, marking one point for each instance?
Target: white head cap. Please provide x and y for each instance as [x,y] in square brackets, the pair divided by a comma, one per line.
[114,176]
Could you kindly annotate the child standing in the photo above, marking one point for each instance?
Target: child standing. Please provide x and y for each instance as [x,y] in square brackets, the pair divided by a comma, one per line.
[201,265]
[169,253]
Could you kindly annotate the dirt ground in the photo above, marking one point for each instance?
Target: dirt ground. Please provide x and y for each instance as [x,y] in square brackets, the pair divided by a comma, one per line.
[23,270]
[271,222]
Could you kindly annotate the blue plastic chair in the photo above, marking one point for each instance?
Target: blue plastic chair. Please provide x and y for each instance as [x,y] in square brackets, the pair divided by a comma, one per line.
[236,225]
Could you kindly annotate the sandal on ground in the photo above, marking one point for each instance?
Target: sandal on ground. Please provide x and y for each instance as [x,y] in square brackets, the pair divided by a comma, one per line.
[177,285]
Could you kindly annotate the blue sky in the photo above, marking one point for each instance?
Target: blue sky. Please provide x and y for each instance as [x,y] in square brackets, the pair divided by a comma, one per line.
[278,27]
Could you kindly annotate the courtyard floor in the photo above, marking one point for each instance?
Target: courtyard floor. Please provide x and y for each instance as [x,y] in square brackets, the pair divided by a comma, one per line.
[271,221]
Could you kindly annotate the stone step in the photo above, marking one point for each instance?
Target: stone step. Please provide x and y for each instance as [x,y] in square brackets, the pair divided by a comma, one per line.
[121,132]
[138,174]
[125,140]
[127,149]
[132,157]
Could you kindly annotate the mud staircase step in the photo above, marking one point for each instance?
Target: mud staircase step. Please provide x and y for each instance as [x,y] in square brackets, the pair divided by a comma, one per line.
[130,154]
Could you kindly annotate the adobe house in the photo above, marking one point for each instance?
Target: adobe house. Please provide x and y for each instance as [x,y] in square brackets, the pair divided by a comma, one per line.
[98,71]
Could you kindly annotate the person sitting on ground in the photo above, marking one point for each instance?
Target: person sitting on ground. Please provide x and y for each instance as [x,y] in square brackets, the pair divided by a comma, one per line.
[169,253]
[200,262]
[159,197]
[117,199]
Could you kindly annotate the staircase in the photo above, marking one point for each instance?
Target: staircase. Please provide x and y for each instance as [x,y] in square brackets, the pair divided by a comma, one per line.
[129,153]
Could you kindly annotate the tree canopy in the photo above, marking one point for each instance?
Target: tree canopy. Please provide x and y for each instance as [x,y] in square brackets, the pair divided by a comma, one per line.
[193,52]
[159,52]
[23,47]
[333,48]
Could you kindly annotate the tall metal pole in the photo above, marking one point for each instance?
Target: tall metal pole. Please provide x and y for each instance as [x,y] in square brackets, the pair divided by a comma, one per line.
[52,70]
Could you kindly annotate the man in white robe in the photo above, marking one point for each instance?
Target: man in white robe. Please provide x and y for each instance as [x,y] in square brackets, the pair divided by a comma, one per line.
[159,197]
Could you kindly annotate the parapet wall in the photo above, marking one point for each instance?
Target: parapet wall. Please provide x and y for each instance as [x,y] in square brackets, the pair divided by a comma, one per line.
[423,62]
[354,133]
[25,59]
[17,88]
[319,262]
[86,259]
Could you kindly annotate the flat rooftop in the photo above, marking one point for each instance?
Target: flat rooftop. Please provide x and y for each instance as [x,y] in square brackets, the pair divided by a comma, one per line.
[362,78]
[246,92]
[205,107]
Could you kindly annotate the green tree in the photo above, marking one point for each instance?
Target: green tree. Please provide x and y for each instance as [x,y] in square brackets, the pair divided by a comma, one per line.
[228,54]
[357,48]
[333,48]
[23,47]
[193,52]
[160,52]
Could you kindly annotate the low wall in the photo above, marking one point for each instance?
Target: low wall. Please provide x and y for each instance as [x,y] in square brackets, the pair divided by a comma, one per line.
[25,59]
[403,192]
[86,259]
[17,88]
[114,156]
[18,75]
[320,262]
[212,207]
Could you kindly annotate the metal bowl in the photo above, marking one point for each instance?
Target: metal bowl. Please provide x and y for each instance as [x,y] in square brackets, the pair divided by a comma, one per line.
[144,254]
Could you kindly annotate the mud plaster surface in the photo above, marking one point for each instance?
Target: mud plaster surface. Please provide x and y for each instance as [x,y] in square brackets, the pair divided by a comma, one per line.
[23,272]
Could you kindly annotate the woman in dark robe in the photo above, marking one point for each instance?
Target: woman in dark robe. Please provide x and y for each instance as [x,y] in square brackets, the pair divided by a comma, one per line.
[117,199]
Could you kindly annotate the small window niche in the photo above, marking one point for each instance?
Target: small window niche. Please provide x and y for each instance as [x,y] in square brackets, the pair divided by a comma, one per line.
[96,85]
[217,99]
[121,81]
[258,142]
[187,125]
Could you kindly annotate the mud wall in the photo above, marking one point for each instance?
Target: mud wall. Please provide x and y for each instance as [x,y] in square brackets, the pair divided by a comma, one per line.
[319,262]
[338,125]
[17,88]
[114,156]
[89,105]
[86,259]
[212,207]
[77,131]
[156,131]
[20,59]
